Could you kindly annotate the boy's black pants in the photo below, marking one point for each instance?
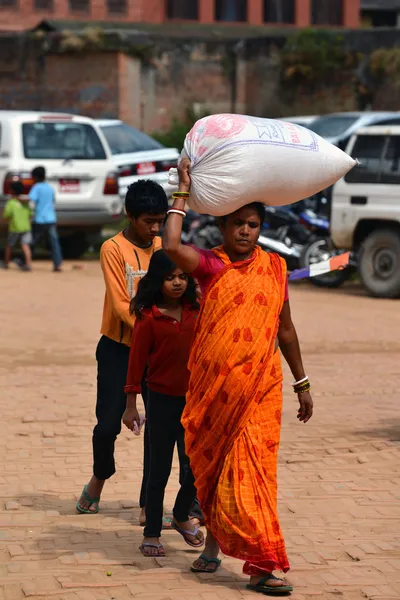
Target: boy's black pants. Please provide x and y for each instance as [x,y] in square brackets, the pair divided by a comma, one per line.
[112,367]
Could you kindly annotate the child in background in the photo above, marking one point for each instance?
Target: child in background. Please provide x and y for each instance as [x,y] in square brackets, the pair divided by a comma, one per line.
[166,309]
[45,222]
[18,215]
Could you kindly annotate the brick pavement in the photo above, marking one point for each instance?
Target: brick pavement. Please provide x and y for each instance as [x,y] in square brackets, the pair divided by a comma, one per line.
[339,475]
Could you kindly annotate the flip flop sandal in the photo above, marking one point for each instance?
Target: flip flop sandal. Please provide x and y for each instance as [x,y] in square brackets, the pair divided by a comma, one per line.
[185,532]
[87,511]
[270,590]
[147,545]
[208,561]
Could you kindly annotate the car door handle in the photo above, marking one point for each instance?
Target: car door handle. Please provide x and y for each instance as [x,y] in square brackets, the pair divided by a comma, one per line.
[359,200]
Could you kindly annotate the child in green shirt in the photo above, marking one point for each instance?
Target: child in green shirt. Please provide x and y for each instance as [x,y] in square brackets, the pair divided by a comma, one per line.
[18,215]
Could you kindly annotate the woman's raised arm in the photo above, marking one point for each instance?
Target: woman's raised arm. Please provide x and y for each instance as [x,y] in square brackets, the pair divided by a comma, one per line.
[185,257]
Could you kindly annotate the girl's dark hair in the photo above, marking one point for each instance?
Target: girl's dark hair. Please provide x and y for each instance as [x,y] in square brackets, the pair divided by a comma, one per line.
[149,290]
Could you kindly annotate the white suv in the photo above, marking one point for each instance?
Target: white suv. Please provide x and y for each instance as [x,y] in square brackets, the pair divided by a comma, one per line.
[78,166]
[366,209]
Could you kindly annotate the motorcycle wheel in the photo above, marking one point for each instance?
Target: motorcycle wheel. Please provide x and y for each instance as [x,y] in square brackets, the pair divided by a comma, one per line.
[316,251]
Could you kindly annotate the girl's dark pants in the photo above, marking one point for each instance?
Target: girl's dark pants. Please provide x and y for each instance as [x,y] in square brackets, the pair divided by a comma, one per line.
[112,366]
[165,430]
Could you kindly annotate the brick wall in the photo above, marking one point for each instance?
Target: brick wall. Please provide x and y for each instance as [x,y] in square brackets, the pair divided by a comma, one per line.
[85,84]
[26,16]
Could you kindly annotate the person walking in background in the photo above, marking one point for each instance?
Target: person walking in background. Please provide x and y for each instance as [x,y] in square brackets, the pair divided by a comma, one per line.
[18,215]
[124,260]
[45,219]
[166,308]
[232,416]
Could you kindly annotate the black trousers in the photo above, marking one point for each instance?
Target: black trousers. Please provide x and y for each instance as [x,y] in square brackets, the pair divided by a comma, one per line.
[183,463]
[112,367]
[165,430]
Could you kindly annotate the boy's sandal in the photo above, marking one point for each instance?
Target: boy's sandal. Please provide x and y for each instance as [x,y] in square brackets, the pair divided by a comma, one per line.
[207,561]
[271,590]
[186,532]
[87,511]
[160,550]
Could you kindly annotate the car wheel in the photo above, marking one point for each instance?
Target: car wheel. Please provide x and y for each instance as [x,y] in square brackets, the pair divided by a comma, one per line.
[318,250]
[379,263]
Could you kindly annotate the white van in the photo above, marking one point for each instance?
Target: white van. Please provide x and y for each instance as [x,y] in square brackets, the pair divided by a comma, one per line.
[366,209]
[78,165]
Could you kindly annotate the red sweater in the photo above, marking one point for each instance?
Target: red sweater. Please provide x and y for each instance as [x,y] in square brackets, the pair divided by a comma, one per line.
[162,344]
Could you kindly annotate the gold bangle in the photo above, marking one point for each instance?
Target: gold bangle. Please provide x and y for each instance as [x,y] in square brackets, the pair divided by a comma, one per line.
[180,194]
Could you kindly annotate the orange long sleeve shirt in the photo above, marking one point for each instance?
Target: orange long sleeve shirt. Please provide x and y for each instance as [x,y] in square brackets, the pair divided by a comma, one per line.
[123,265]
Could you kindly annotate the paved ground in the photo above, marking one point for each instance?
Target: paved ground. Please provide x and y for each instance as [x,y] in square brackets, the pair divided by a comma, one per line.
[339,475]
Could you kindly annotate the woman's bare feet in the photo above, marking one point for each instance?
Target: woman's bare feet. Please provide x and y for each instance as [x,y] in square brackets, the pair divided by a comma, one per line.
[93,490]
[210,551]
[152,547]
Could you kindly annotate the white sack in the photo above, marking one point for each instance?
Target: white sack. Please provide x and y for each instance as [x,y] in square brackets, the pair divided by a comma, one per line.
[237,160]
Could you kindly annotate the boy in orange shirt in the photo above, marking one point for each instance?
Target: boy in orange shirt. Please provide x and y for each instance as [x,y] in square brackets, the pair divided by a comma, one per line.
[124,260]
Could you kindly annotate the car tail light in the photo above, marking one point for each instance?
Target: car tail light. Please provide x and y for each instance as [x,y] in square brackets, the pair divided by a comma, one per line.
[125,172]
[111,184]
[166,165]
[24,177]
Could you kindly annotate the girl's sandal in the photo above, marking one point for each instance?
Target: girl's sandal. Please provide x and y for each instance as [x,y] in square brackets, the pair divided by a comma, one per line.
[207,561]
[270,590]
[87,511]
[185,533]
[160,550]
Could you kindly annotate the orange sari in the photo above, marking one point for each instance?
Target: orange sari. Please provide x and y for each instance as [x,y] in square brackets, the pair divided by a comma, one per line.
[233,409]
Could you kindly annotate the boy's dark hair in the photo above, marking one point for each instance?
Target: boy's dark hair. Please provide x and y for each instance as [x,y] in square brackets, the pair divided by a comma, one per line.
[39,173]
[17,188]
[260,208]
[145,196]
[150,286]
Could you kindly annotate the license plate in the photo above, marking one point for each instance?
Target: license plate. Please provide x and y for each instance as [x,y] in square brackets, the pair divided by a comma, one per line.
[69,186]
[146,168]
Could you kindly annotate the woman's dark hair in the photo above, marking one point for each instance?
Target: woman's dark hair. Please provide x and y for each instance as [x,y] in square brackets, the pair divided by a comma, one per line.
[149,290]
[260,208]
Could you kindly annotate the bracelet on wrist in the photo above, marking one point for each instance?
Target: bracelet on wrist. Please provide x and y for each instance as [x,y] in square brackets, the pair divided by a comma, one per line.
[304,380]
[176,211]
[302,389]
[180,195]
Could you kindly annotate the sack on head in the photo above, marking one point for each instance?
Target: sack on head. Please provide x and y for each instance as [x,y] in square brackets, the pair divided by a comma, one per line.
[236,160]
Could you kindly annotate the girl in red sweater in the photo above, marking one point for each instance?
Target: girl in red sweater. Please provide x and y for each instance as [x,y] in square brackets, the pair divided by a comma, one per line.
[166,309]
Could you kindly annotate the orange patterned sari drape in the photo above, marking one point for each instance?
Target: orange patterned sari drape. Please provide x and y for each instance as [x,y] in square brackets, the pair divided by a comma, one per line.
[233,409]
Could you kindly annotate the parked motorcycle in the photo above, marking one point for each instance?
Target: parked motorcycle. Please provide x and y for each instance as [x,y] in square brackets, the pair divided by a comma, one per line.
[202,231]
[282,233]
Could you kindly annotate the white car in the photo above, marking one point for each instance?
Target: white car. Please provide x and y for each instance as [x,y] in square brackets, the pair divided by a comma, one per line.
[137,156]
[78,165]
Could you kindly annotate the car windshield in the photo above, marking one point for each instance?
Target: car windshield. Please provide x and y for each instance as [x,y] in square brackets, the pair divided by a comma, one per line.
[124,139]
[77,141]
[332,126]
